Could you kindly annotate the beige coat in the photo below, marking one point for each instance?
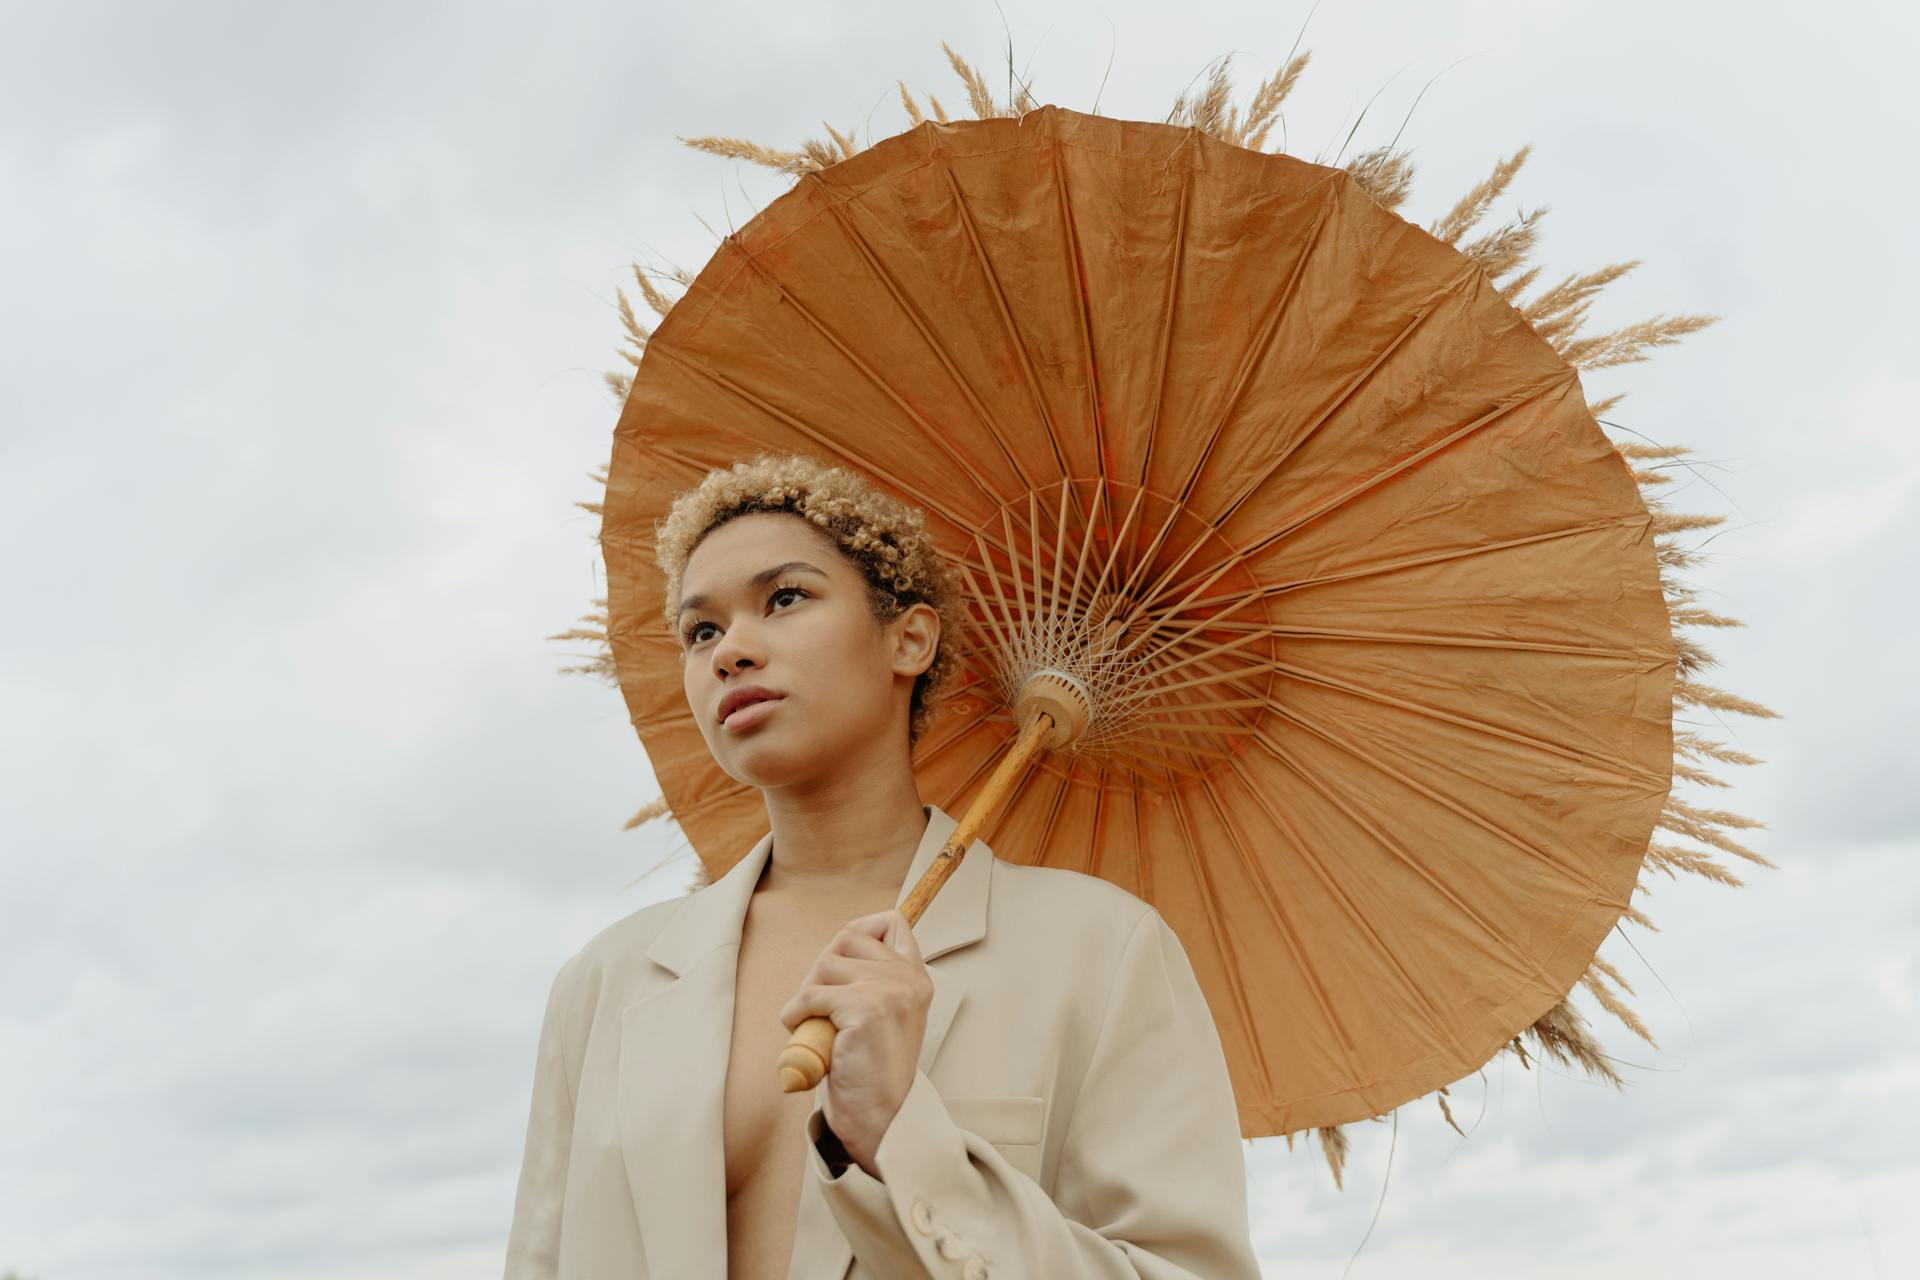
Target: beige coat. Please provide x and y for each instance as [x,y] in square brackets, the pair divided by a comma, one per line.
[1071,1114]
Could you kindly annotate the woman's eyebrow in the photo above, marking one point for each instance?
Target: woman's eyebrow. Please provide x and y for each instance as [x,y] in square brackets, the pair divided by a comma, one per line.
[765,575]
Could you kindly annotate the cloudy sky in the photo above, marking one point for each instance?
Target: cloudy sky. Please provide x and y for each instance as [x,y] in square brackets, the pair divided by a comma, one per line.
[305,312]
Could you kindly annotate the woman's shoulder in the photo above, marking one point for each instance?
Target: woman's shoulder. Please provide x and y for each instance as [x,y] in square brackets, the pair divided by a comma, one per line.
[617,952]
[1059,897]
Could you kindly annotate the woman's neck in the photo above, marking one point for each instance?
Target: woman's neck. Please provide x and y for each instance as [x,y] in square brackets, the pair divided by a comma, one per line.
[852,843]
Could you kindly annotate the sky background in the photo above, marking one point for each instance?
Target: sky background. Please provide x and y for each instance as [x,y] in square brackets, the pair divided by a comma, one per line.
[299,380]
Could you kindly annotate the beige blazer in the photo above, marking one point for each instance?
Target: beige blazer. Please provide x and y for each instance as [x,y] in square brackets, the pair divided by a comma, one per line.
[1071,1114]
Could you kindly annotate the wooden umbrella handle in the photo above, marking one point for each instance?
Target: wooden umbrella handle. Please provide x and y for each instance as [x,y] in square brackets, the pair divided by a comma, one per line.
[809,1051]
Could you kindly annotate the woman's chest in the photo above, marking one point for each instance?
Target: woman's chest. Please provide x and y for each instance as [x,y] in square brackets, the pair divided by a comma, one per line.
[763,1127]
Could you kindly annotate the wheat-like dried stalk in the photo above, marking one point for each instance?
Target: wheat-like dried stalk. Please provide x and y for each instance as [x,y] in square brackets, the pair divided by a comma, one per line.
[1557,314]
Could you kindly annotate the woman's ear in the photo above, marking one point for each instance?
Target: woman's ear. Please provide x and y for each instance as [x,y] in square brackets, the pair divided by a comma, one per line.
[916,639]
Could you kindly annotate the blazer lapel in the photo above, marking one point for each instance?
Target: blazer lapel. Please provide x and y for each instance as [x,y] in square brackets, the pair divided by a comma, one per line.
[674,1045]
[673,1065]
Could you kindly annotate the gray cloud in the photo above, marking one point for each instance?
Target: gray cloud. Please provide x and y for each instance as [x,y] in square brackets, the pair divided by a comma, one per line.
[301,367]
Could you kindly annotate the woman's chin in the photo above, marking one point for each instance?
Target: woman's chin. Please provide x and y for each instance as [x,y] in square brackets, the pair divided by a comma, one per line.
[782,759]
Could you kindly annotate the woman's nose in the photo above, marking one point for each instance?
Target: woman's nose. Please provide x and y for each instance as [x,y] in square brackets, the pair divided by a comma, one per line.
[734,652]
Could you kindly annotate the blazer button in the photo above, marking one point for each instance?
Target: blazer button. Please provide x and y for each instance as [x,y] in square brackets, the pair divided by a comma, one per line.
[950,1246]
[974,1270]
[922,1214]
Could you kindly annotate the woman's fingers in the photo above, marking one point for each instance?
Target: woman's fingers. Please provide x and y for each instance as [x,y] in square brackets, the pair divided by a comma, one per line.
[889,928]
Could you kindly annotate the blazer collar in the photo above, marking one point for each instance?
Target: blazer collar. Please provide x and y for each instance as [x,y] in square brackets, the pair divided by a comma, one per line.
[675,1043]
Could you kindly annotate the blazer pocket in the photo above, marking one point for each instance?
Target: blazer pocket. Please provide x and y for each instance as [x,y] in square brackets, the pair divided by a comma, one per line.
[1012,1124]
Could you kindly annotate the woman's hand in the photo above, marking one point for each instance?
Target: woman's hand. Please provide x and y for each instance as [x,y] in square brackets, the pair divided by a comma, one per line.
[871,982]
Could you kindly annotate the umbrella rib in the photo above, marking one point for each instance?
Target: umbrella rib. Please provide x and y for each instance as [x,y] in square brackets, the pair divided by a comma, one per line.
[1379,478]
[872,375]
[1438,557]
[1006,316]
[933,343]
[1228,957]
[1279,629]
[1096,830]
[1619,767]
[1179,259]
[1054,807]
[1305,676]
[1277,913]
[1414,864]
[1304,848]
[999,640]
[1347,393]
[741,393]
[1256,351]
[1071,235]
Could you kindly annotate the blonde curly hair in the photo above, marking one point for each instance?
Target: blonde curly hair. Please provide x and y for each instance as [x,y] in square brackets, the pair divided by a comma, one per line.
[882,537]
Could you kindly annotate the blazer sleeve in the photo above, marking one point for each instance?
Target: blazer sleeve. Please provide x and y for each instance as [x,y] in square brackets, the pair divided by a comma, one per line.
[1150,1183]
[533,1242]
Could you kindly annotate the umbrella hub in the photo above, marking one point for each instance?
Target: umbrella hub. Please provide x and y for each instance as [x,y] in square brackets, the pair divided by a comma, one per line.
[1056,694]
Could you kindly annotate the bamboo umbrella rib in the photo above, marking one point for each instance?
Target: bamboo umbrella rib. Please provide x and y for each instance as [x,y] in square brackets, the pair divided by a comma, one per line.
[1056,803]
[1234,676]
[1013,561]
[1382,943]
[1165,622]
[1096,830]
[1142,867]
[1225,646]
[1439,557]
[1061,466]
[1275,910]
[841,448]
[1076,272]
[1144,561]
[1001,642]
[1413,864]
[872,376]
[1212,753]
[1375,763]
[1086,542]
[1113,550]
[940,353]
[1156,709]
[1619,768]
[1148,599]
[1204,729]
[1179,258]
[1326,415]
[963,729]
[1256,351]
[1365,486]
[1229,956]
[1059,553]
[1280,630]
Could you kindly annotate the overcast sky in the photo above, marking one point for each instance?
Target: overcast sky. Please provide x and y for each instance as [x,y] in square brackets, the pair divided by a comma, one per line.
[305,308]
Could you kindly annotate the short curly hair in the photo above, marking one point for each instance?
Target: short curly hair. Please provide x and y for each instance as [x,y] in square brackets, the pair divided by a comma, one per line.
[882,537]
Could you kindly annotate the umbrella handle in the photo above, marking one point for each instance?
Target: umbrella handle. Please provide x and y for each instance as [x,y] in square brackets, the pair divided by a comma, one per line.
[809,1050]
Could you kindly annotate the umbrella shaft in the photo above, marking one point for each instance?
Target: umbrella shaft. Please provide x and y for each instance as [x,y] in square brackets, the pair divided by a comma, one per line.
[809,1050]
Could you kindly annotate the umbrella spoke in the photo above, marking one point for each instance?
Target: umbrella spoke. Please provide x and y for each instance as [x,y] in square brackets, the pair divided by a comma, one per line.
[940,353]
[1061,465]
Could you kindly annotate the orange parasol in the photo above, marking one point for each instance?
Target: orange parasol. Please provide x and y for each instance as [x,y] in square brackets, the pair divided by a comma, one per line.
[1310,602]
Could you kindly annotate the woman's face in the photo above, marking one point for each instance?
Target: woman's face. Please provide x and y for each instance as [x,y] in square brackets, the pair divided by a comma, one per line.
[805,633]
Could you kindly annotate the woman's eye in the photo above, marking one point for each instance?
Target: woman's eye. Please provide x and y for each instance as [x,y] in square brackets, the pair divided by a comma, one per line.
[693,632]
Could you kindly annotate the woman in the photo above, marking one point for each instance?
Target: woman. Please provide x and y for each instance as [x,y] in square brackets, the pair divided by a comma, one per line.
[1028,1083]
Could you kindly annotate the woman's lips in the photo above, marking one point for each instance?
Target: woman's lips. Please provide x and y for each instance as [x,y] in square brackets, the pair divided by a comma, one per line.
[751,714]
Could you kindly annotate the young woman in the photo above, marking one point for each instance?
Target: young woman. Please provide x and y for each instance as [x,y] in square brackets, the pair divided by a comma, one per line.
[1027,1083]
